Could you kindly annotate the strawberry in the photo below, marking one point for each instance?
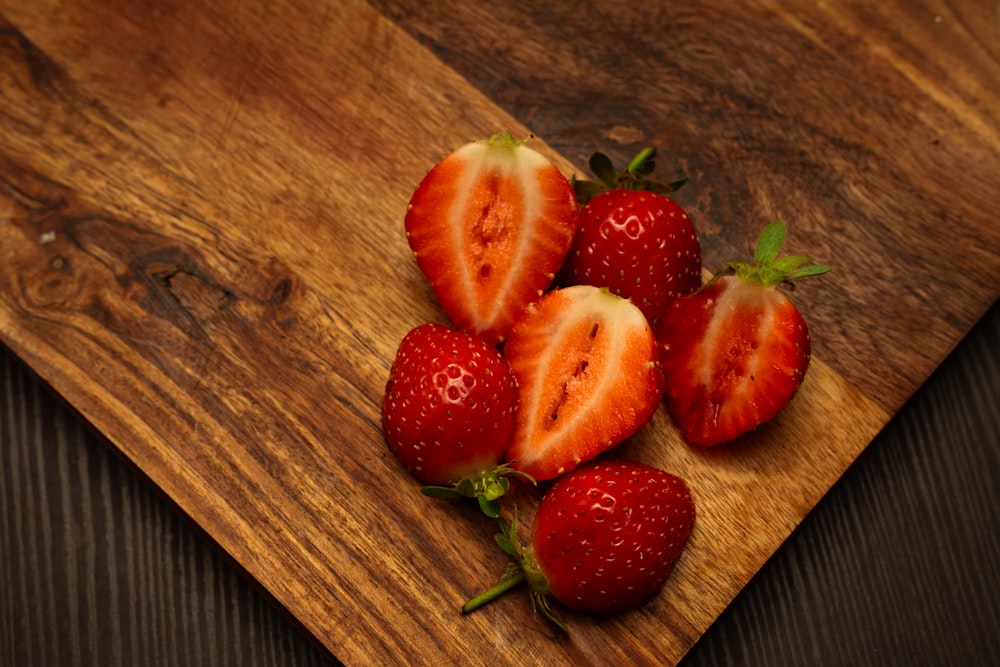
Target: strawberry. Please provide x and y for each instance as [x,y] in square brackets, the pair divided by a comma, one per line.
[605,538]
[735,352]
[632,238]
[489,226]
[587,368]
[448,412]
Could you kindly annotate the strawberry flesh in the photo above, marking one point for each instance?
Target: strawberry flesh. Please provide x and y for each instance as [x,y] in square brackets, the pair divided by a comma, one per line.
[588,373]
[489,226]
[733,354]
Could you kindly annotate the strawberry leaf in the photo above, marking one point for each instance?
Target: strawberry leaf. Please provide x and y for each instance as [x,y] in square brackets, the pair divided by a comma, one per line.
[540,603]
[676,184]
[769,243]
[636,176]
[603,169]
[806,271]
[489,507]
[789,263]
[507,545]
[441,492]
[767,267]
[665,189]
[587,190]
[487,488]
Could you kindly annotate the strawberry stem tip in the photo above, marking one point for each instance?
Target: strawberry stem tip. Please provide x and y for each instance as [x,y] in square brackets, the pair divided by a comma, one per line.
[520,570]
[643,163]
[506,583]
[767,267]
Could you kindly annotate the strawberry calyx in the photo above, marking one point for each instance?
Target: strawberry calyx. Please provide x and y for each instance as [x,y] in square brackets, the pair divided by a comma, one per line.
[505,139]
[522,569]
[487,487]
[635,176]
[767,268]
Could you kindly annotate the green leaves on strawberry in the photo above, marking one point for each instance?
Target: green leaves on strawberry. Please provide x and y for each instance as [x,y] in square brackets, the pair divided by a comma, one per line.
[735,353]
[636,177]
[605,538]
[448,413]
[487,487]
[490,226]
[632,238]
[588,373]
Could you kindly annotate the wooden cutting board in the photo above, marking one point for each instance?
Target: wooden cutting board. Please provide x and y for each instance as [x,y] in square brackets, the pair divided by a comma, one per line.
[201,250]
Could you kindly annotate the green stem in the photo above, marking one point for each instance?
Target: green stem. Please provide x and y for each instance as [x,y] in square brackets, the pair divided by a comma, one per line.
[640,159]
[493,593]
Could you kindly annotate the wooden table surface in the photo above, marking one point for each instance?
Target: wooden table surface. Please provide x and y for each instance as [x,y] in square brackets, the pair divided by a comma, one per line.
[201,254]
[896,565]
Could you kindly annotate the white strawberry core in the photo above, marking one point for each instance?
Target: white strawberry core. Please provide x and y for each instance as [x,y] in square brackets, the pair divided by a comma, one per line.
[485,161]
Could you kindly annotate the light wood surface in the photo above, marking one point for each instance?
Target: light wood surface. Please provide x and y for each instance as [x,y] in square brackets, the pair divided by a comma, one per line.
[202,253]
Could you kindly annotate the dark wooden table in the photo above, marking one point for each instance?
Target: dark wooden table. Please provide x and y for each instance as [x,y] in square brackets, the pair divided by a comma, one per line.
[203,279]
[896,566]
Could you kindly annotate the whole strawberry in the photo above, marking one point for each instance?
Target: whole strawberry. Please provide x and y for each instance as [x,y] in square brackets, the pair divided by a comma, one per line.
[605,538]
[489,227]
[633,239]
[735,353]
[448,411]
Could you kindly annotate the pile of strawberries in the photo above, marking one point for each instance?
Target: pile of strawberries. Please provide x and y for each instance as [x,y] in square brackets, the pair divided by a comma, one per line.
[577,308]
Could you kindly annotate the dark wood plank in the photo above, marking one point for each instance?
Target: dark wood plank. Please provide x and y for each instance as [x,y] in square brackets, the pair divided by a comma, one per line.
[99,569]
[898,564]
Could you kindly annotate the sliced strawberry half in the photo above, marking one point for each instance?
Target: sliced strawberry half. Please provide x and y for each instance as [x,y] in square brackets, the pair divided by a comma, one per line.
[490,226]
[589,376]
[736,352]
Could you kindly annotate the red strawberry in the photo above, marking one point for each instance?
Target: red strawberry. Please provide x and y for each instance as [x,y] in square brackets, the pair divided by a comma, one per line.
[587,369]
[735,353]
[605,538]
[633,239]
[490,225]
[448,410]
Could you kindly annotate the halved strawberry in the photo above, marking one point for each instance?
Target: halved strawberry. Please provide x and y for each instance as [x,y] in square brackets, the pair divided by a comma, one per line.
[489,226]
[633,238]
[735,352]
[606,537]
[589,376]
[448,412]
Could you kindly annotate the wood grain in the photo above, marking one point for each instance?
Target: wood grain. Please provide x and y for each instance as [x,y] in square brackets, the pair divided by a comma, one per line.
[201,234]
[98,569]
[897,564]
[873,130]
[917,506]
